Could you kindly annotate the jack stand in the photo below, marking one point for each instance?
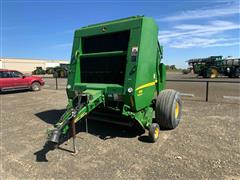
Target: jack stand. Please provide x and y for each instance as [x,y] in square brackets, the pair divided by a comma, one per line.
[73,136]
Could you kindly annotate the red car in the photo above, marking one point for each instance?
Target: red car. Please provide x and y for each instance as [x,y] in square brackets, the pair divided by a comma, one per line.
[11,80]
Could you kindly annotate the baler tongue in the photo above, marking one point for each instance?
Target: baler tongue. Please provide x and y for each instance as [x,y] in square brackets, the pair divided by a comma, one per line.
[55,136]
[81,105]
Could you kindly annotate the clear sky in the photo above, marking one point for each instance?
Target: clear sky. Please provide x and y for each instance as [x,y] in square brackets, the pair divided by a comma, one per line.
[187,29]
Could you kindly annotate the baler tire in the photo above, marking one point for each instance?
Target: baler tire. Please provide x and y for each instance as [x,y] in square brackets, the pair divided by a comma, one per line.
[154,132]
[36,86]
[168,109]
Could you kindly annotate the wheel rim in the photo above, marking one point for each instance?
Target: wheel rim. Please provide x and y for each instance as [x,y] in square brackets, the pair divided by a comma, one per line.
[214,73]
[156,133]
[62,74]
[176,110]
[35,87]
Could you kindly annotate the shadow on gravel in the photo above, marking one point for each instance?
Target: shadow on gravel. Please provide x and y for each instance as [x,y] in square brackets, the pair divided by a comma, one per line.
[51,116]
[16,91]
[41,154]
[107,131]
[103,130]
[144,139]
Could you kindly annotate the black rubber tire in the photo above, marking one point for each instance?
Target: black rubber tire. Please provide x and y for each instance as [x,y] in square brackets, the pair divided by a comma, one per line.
[210,73]
[205,74]
[55,74]
[237,73]
[154,132]
[36,86]
[165,112]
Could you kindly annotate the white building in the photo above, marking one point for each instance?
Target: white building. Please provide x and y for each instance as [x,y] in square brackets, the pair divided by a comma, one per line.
[28,65]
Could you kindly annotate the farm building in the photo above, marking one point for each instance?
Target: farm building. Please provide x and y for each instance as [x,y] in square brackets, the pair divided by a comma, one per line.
[28,65]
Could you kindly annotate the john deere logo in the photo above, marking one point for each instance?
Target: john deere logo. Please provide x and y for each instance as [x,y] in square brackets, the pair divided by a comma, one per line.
[104,29]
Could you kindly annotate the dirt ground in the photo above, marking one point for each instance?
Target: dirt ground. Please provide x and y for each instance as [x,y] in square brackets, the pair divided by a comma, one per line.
[206,144]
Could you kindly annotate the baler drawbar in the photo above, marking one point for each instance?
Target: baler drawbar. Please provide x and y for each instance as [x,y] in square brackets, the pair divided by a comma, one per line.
[81,105]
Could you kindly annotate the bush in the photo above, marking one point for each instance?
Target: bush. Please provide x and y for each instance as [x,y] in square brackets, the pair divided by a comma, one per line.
[186,71]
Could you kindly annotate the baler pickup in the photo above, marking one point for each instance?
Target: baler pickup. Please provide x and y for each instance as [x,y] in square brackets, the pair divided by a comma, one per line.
[77,109]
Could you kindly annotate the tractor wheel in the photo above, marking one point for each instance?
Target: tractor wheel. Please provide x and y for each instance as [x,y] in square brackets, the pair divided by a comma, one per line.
[55,74]
[214,73]
[62,74]
[237,73]
[206,74]
[168,109]
[36,86]
[154,132]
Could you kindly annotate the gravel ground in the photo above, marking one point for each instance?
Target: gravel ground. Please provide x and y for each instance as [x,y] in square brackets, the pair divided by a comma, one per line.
[206,144]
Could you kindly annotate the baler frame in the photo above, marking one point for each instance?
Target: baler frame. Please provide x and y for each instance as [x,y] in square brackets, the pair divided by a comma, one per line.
[141,91]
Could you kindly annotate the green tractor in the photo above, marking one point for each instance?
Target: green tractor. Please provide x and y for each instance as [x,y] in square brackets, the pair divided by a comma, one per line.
[49,70]
[214,66]
[116,75]
[61,71]
[39,71]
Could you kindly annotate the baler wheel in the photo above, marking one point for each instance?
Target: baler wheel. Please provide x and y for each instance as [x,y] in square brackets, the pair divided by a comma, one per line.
[154,132]
[168,109]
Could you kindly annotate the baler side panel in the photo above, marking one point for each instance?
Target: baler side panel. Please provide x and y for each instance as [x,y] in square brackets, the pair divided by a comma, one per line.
[98,31]
[161,70]
[162,78]
[109,28]
[73,69]
[131,66]
[146,71]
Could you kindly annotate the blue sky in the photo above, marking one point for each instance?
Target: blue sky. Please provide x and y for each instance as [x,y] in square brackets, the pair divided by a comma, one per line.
[187,29]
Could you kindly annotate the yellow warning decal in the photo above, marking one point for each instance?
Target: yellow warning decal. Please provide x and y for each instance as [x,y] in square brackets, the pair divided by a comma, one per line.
[146,85]
[81,116]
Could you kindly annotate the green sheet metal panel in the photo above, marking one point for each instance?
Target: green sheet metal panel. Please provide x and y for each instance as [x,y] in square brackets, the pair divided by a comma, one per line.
[140,72]
[146,70]
[133,24]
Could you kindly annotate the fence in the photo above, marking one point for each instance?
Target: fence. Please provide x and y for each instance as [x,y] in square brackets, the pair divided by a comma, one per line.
[206,82]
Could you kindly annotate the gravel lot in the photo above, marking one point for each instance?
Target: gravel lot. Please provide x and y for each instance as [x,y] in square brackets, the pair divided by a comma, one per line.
[205,145]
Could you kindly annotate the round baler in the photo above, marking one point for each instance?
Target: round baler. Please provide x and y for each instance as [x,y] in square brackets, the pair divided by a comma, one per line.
[116,70]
